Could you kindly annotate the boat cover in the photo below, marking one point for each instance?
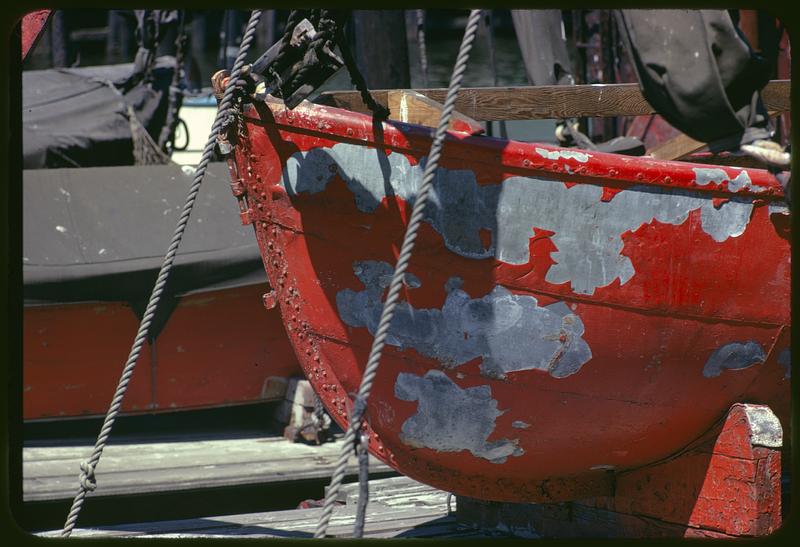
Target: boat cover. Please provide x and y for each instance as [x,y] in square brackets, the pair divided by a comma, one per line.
[72,117]
[100,234]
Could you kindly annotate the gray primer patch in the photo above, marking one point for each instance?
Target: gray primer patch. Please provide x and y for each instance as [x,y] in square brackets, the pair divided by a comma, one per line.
[509,332]
[785,360]
[733,356]
[705,175]
[565,154]
[765,428]
[587,231]
[519,424]
[778,208]
[451,419]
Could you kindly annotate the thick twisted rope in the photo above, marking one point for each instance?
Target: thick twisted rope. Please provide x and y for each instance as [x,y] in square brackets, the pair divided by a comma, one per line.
[87,480]
[396,284]
[378,110]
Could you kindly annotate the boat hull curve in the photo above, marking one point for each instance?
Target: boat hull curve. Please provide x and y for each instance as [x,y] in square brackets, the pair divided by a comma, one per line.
[565,313]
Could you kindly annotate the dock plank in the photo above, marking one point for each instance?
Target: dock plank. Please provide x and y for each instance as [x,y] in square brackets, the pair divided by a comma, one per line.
[51,473]
[403,508]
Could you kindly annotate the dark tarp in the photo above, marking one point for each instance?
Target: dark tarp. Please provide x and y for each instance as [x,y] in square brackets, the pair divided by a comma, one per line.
[71,118]
[540,34]
[698,71]
[100,234]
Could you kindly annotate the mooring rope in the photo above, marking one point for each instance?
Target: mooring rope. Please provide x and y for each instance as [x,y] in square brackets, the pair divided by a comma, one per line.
[418,212]
[87,475]
[423,56]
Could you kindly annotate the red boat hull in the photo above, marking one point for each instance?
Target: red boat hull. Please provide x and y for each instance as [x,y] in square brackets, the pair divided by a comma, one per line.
[568,313]
[73,356]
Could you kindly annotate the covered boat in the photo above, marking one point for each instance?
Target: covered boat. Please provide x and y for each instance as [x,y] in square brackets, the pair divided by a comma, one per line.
[92,116]
[87,280]
[565,313]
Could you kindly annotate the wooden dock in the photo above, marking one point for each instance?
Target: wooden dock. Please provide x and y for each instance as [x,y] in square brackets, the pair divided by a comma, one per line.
[399,508]
[183,463]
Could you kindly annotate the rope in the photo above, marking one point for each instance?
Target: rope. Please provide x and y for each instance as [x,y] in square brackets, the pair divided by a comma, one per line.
[378,110]
[166,140]
[145,149]
[87,480]
[362,451]
[423,56]
[360,402]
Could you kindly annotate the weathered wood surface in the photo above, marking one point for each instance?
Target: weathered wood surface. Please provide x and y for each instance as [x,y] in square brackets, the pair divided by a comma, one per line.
[51,472]
[542,102]
[399,507]
[411,107]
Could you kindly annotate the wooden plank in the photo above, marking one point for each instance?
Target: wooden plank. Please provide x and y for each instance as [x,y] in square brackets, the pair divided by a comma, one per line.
[50,473]
[543,102]
[403,517]
[395,492]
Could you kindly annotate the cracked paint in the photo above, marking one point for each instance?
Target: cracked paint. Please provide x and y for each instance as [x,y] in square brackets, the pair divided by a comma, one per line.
[587,232]
[452,419]
[508,332]
[733,356]
[765,428]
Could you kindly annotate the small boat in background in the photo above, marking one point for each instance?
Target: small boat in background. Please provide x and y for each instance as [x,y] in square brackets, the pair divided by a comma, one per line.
[86,283]
[566,312]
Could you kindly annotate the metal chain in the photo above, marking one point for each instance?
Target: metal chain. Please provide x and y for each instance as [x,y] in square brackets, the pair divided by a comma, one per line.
[87,475]
[360,403]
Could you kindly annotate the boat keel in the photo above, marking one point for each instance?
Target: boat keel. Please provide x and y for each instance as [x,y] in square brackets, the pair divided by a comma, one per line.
[727,484]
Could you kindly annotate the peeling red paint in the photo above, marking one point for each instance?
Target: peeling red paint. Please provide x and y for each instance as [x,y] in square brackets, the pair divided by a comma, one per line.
[689,295]
[32,28]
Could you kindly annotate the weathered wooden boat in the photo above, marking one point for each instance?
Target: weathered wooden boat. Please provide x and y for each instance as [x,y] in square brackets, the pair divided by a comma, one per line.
[566,313]
[86,283]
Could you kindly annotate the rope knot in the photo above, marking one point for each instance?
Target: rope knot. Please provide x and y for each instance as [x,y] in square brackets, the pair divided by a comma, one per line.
[87,479]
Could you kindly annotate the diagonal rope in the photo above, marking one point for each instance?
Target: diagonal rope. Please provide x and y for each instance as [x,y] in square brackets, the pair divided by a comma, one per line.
[87,475]
[360,403]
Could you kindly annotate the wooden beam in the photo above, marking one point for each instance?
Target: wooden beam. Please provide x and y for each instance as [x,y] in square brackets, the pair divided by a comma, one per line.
[411,107]
[542,102]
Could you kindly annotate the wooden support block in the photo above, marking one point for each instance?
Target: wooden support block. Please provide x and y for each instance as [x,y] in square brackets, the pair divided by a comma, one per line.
[408,106]
[297,411]
[726,485]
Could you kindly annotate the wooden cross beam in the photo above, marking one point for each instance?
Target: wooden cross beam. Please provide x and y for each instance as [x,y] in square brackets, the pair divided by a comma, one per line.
[542,102]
